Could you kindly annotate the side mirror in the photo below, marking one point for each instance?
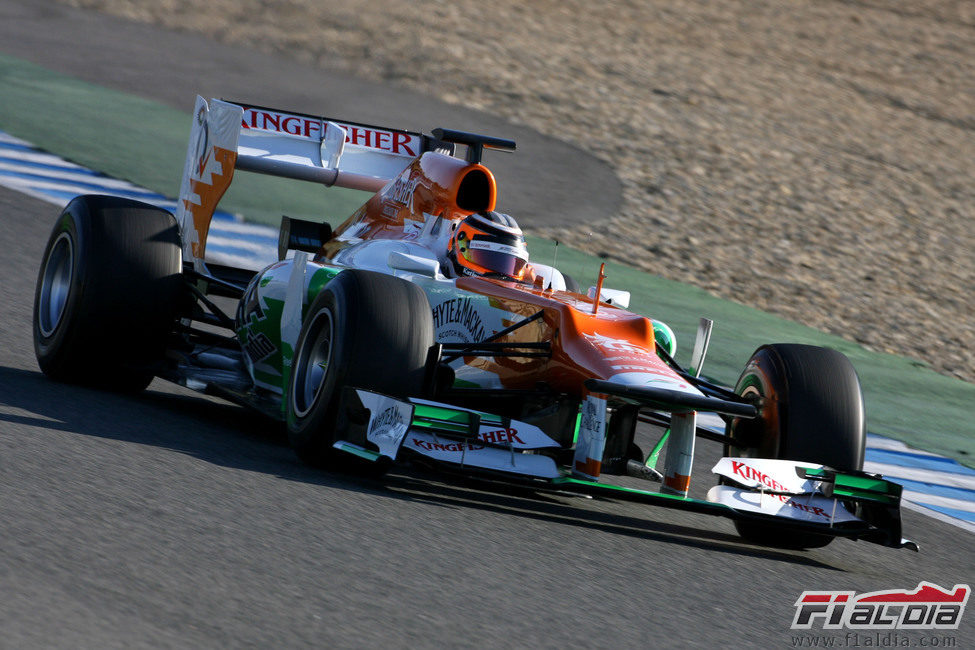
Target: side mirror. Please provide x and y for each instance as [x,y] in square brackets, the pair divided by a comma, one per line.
[413,264]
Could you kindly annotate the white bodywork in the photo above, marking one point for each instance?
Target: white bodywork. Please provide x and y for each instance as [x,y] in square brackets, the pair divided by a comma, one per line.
[814,508]
[776,487]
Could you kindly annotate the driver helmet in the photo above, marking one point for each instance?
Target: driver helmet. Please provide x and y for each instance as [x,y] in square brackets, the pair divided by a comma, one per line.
[489,243]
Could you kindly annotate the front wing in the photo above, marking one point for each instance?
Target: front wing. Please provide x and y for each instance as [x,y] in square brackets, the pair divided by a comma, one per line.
[794,496]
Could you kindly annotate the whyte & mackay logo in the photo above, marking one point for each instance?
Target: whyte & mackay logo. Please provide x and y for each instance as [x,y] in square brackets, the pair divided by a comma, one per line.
[929,607]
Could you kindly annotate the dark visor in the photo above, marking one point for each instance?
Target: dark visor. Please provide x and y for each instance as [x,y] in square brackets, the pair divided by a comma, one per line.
[504,263]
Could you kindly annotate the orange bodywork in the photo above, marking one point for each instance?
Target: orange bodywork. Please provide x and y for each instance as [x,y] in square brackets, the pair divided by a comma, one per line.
[586,342]
[434,185]
[584,345]
[210,195]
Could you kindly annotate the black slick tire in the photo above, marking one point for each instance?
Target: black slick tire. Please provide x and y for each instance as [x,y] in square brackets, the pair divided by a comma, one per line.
[811,409]
[108,292]
[366,330]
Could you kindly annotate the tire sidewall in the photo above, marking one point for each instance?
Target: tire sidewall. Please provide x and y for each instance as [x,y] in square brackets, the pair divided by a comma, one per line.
[123,297]
[763,434]
[774,378]
[382,327]
[50,349]
[782,430]
[305,430]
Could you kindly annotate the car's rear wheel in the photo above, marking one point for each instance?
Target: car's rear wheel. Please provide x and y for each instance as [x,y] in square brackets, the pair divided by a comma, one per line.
[367,330]
[811,409]
[108,292]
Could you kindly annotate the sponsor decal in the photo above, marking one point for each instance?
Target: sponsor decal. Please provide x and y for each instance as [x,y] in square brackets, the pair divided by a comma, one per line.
[615,346]
[394,142]
[449,447]
[402,191]
[402,144]
[928,607]
[813,510]
[631,358]
[749,473]
[474,454]
[501,436]
[768,474]
[806,507]
[412,228]
[384,423]
[389,421]
[281,123]
[517,251]
[458,319]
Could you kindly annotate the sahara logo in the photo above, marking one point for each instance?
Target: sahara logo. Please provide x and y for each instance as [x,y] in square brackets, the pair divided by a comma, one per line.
[615,346]
[258,346]
[929,607]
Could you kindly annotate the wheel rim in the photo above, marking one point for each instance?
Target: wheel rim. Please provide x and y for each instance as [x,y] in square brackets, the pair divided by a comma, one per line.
[756,387]
[311,363]
[55,284]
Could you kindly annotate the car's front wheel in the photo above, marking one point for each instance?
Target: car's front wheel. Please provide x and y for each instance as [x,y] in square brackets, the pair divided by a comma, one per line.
[366,330]
[810,409]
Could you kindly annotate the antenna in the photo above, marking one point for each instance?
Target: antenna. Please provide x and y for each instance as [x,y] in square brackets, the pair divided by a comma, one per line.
[555,258]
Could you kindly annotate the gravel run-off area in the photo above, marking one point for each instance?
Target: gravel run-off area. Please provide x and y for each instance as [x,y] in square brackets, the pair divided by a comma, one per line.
[812,158]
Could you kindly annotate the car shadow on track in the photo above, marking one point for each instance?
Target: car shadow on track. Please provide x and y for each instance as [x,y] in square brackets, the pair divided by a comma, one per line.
[600,514]
[231,436]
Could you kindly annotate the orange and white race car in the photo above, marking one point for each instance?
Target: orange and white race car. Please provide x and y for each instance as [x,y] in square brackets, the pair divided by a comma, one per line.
[419,329]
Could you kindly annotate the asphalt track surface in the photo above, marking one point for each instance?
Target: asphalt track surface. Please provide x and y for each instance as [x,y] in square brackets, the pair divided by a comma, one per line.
[167,519]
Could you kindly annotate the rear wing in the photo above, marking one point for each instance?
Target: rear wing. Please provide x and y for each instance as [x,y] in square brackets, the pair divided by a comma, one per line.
[226,136]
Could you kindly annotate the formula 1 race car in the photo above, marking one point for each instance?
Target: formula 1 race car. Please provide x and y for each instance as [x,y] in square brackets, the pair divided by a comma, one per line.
[419,330]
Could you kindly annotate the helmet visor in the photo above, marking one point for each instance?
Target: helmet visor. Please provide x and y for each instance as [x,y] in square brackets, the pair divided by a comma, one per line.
[500,258]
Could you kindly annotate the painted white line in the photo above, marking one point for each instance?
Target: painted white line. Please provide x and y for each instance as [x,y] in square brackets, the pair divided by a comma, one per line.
[216,240]
[229,259]
[895,472]
[68,186]
[9,139]
[40,158]
[889,444]
[65,176]
[25,189]
[244,228]
[924,499]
